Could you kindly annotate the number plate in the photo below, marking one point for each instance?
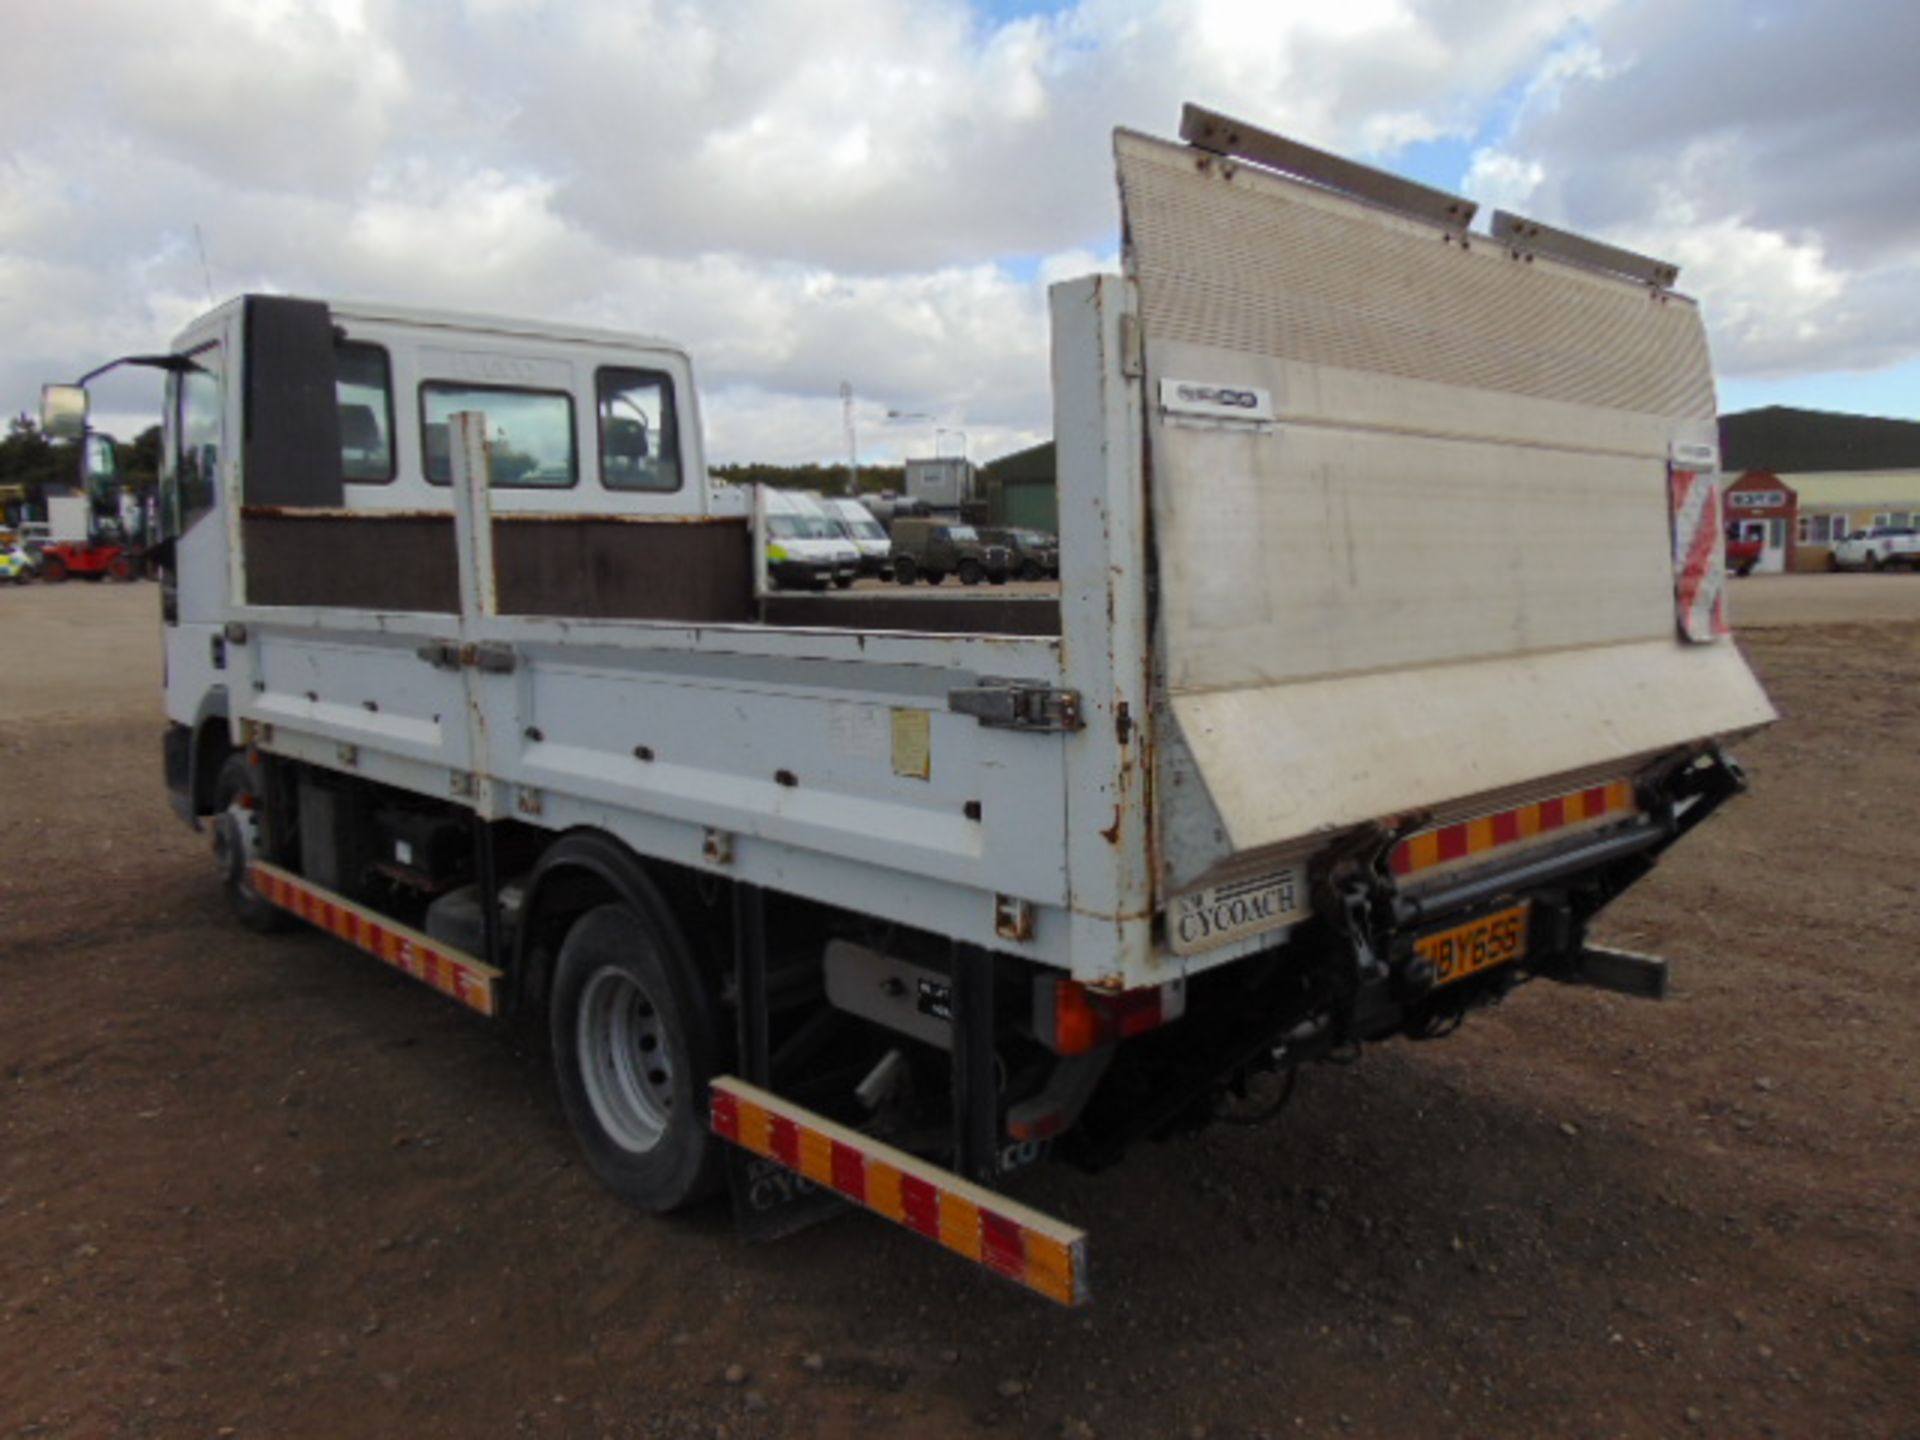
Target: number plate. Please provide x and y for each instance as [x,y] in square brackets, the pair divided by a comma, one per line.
[1475,946]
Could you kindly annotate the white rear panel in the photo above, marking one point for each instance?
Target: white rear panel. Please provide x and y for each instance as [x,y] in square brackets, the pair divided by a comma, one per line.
[1445,566]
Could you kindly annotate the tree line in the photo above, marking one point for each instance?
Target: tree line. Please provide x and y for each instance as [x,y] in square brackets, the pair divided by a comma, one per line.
[827,479]
[36,463]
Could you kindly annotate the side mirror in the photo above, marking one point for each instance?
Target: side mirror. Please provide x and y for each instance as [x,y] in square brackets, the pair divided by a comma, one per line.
[63,411]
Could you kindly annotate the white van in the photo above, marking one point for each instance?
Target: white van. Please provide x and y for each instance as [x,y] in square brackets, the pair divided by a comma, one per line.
[805,549]
[868,535]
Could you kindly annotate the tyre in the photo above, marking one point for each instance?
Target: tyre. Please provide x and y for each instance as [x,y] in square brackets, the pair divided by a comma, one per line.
[843,582]
[934,577]
[971,573]
[1873,562]
[905,572]
[237,842]
[23,577]
[1032,570]
[120,568]
[635,1041]
[53,570]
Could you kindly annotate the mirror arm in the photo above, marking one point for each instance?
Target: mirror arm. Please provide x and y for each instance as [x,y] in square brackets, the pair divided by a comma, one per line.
[178,364]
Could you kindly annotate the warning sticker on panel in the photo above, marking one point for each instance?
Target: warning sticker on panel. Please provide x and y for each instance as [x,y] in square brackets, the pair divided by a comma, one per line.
[913,743]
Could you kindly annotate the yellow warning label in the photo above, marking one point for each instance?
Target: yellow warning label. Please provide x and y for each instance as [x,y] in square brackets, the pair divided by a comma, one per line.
[913,743]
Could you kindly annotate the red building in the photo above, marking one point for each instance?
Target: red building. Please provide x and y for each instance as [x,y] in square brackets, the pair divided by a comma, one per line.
[1761,506]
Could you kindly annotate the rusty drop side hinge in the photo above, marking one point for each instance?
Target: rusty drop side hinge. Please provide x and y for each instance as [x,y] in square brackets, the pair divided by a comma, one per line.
[1018,705]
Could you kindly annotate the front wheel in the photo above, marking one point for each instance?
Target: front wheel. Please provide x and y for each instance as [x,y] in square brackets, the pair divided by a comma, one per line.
[971,573]
[120,569]
[53,570]
[1032,570]
[934,577]
[1873,562]
[635,1041]
[237,843]
[843,582]
[905,572]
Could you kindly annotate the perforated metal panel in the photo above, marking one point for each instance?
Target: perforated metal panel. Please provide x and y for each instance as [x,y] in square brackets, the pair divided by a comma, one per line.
[1230,257]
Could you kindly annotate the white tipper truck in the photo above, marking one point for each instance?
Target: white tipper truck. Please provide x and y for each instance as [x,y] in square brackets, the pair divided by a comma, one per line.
[1389,649]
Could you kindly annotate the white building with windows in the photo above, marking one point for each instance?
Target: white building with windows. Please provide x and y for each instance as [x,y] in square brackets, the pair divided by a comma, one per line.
[1835,504]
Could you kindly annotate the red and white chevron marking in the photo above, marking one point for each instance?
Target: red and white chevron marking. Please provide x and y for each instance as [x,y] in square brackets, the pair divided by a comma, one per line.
[1699,557]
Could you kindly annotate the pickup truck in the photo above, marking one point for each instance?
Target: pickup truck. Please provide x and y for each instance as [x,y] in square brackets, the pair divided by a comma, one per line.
[1389,650]
[1881,548]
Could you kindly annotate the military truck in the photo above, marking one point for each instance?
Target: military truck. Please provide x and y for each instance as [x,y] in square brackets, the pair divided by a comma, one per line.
[930,548]
[1031,554]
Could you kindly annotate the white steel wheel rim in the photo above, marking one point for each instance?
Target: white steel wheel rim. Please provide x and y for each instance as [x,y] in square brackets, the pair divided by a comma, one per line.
[625,1062]
[235,839]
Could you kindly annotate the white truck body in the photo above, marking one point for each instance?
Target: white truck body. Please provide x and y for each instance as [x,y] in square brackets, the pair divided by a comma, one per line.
[1386,594]
[803,541]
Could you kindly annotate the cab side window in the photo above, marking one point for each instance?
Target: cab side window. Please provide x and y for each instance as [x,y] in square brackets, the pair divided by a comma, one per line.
[363,387]
[192,482]
[639,435]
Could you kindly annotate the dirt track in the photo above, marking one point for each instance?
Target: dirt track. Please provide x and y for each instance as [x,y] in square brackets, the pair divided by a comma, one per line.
[268,1187]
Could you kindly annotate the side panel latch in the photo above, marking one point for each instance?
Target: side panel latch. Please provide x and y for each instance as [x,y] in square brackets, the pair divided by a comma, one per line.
[1018,705]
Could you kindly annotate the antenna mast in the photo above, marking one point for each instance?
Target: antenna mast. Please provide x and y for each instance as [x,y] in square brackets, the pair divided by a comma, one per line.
[853,445]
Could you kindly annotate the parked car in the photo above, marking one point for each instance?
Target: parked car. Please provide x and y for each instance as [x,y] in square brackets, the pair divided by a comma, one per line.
[867,535]
[1032,554]
[932,549]
[805,549]
[1880,548]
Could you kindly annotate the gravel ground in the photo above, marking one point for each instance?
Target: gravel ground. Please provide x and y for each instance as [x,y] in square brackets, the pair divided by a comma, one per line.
[267,1187]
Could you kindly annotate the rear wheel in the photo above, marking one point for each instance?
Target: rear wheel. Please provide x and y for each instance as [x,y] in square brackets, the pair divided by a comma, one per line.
[635,1041]
[120,568]
[1032,570]
[1873,562]
[53,570]
[905,572]
[971,573]
[934,577]
[237,843]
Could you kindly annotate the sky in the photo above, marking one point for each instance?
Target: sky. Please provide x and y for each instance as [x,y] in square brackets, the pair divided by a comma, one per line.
[878,192]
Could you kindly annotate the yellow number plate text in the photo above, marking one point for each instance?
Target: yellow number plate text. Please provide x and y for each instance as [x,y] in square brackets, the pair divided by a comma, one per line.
[1478,945]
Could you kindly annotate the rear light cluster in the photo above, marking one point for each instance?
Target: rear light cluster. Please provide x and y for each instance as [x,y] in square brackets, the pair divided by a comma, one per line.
[1071,1019]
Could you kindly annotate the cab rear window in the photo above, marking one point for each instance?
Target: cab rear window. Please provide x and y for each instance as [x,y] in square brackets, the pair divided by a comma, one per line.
[530,434]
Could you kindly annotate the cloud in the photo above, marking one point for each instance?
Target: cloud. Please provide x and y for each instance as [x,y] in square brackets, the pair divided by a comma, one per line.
[1766,147]
[878,191]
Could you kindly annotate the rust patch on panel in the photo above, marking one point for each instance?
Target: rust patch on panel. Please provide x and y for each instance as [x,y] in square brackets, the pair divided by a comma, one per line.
[600,568]
[351,559]
[916,613]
